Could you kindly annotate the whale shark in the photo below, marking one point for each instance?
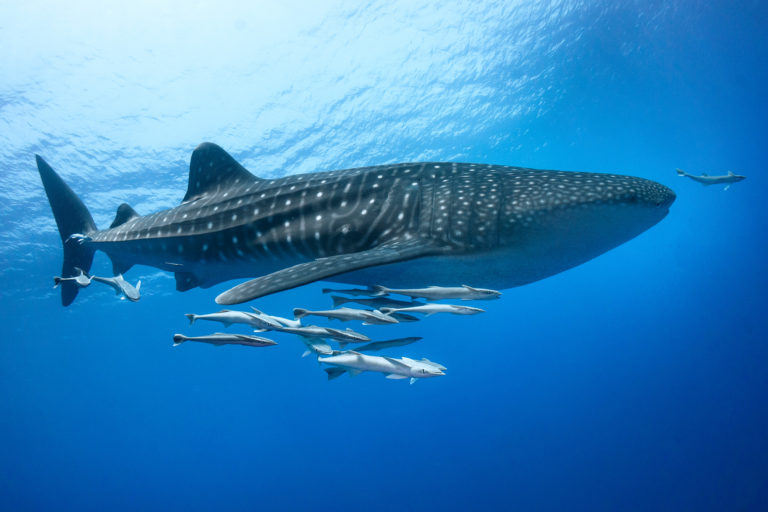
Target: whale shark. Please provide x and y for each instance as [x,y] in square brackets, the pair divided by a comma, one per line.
[406,225]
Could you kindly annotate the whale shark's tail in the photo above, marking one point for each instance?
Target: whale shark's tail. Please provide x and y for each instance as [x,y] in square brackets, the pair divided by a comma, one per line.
[74,222]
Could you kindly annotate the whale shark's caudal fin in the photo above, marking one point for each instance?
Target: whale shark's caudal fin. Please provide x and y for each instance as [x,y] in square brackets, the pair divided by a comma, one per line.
[74,222]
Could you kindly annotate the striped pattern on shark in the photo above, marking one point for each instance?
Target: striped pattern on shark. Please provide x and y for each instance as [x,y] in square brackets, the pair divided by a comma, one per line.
[408,225]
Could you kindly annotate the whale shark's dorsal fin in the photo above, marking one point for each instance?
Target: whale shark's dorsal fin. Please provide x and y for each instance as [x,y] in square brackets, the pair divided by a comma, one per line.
[123,215]
[212,168]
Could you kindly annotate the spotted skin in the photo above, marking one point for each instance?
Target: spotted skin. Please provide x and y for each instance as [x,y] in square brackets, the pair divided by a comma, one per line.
[411,224]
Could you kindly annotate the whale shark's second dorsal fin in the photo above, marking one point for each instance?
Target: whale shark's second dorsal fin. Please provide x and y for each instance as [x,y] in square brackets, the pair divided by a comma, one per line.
[211,169]
[123,215]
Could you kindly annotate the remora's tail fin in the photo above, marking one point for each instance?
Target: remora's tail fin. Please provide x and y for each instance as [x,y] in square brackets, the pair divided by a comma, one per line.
[299,313]
[72,217]
[378,290]
[680,172]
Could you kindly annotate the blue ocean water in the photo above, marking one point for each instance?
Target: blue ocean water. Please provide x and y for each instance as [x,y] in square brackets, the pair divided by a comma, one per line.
[636,381]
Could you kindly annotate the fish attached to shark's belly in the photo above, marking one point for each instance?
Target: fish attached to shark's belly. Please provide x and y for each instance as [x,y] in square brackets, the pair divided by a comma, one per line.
[424,223]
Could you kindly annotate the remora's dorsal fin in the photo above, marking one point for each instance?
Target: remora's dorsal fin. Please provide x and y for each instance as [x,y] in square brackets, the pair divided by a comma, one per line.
[123,215]
[303,273]
[212,168]
[397,362]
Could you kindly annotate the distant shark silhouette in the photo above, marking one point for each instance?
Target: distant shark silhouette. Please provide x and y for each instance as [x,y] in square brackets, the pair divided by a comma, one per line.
[405,225]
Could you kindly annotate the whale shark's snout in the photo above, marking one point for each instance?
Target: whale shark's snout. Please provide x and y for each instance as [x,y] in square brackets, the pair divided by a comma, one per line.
[648,200]
[628,191]
[623,206]
[666,197]
[556,220]
[616,195]
[649,193]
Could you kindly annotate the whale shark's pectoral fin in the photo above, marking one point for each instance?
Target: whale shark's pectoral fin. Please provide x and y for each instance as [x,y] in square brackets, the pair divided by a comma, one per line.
[303,273]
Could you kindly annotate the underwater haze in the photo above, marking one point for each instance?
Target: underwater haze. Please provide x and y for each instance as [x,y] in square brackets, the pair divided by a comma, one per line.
[636,381]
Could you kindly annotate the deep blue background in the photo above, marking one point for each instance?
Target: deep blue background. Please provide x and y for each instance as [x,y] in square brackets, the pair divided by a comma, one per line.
[634,382]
